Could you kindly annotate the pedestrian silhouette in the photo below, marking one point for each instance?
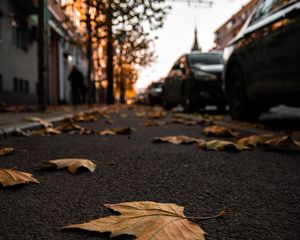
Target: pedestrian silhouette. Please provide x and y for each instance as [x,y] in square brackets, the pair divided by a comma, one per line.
[77,84]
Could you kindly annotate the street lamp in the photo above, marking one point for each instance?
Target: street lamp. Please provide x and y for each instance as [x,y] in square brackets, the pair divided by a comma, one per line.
[121,40]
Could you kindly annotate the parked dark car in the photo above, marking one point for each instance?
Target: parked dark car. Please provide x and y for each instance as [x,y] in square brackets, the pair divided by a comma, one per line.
[154,93]
[262,64]
[195,81]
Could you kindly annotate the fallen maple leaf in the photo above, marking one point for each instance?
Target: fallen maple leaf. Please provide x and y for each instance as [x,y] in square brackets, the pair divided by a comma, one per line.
[20,132]
[254,140]
[72,163]
[147,221]
[6,150]
[84,117]
[285,143]
[180,139]
[116,131]
[222,145]
[71,128]
[41,121]
[10,177]
[218,131]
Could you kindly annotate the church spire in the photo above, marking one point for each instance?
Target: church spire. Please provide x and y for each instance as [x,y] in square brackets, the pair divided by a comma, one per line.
[196,46]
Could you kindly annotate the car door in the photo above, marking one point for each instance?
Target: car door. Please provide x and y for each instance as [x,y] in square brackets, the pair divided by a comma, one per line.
[173,83]
[291,50]
[268,67]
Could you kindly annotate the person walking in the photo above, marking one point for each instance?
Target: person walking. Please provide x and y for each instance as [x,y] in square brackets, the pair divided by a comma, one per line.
[76,79]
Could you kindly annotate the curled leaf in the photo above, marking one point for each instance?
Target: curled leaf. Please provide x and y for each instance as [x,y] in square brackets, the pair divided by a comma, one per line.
[10,177]
[180,139]
[254,140]
[222,145]
[85,117]
[285,143]
[146,221]
[6,151]
[116,131]
[71,128]
[72,163]
[41,121]
[218,131]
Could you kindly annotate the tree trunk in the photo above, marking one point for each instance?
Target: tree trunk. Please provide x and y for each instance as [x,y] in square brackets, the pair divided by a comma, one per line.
[109,54]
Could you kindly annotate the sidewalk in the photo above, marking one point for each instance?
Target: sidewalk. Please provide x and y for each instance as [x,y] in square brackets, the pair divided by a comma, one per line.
[9,121]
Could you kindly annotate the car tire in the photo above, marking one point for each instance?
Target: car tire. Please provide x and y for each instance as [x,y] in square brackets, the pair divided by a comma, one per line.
[187,102]
[240,106]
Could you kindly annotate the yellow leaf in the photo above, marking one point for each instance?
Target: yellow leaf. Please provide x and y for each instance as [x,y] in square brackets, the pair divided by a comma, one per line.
[285,143]
[41,121]
[147,221]
[180,139]
[73,164]
[10,177]
[222,145]
[254,140]
[6,150]
[116,131]
[218,131]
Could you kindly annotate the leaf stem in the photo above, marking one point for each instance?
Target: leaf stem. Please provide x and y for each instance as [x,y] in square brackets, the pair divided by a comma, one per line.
[220,214]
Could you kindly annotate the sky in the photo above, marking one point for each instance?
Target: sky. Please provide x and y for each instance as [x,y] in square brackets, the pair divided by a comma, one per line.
[177,35]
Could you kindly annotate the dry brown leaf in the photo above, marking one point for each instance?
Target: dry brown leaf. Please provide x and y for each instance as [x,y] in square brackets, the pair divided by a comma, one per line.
[222,145]
[52,131]
[84,117]
[20,132]
[285,143]
[218,131]
[153,123]
[6,151]
[10,177]
[116,131]
[72,163]
[180,139]
[109,121]
[41,121]
[156,113]
[188,122]
[254,140]
[71,128]
[146,221]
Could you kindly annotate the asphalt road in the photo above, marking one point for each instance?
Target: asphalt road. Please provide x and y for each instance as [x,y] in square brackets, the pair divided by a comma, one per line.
[258,190]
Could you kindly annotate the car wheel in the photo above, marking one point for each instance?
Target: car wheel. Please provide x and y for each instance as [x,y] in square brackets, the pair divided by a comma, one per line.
[187,102]
[240,106]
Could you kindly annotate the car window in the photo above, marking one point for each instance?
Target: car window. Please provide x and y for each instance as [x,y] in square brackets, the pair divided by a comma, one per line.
[205,59]
[266,7]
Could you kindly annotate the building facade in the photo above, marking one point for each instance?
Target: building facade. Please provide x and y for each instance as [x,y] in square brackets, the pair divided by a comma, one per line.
[232,26]
[19,52]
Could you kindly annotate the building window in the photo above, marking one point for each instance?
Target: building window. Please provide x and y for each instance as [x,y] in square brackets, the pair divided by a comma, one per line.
[1,82]
[20,85]
[20,35]
[26,86]
[1,16]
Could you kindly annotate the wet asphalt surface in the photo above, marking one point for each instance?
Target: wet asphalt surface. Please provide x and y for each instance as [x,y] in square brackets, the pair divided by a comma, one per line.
[258,190]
